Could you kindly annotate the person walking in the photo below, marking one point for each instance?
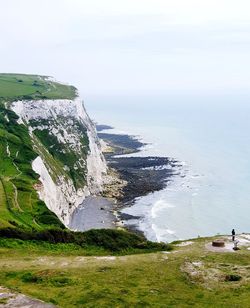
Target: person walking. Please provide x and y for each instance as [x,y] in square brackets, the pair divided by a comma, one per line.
[233,235]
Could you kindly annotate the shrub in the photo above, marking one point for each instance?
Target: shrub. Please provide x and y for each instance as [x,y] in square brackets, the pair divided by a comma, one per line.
[48,219]
[30,277]
[109,239]
[61,281]
[233,277]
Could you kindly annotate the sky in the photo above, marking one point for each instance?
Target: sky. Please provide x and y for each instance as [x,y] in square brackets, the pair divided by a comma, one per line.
[130,47]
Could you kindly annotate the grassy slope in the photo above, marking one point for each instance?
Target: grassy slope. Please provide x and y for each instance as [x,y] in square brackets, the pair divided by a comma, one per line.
[19,203]
[18,86]
[72,280]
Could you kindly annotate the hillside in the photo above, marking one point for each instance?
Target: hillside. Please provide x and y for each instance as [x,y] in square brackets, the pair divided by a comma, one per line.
[19,202]
[50,153]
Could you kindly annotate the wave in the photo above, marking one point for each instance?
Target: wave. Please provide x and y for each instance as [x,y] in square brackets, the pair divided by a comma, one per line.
[158,206]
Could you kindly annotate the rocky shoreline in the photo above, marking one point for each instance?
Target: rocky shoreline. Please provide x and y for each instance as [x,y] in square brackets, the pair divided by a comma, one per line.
[130,177]
[142,175]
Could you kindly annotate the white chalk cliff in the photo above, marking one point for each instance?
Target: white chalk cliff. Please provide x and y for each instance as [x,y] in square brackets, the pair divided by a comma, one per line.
[72,166]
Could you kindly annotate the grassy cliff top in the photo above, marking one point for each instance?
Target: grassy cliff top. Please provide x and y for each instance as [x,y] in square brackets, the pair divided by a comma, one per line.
[21,86]
[189,276]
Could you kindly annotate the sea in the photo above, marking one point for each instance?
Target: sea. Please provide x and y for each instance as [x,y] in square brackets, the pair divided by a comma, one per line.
[210,136]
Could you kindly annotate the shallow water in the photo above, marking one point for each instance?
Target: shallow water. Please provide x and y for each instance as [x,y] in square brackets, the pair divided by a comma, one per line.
[211,139]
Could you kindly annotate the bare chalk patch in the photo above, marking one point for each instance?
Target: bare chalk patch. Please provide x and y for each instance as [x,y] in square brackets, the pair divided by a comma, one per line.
[10,299]
[242,240]
[182,244]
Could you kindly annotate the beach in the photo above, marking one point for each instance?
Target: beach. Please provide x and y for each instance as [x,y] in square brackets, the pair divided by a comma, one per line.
[142,175]
[95,212]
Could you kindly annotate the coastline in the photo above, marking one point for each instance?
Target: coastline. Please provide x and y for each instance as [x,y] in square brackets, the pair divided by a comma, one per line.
[143,175]
[131,177]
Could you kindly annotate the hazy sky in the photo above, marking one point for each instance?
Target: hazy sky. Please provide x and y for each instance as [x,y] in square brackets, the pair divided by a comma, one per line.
[135,47]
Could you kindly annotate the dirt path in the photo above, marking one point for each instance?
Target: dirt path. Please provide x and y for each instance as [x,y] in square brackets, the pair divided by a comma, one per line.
[19,172]
[9,299]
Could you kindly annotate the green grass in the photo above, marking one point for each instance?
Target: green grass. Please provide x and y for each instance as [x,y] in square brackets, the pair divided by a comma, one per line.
[145,280]
[19,202]
[21,86]
[45,248]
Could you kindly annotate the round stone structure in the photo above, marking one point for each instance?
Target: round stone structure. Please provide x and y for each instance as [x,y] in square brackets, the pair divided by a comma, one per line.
[218,243]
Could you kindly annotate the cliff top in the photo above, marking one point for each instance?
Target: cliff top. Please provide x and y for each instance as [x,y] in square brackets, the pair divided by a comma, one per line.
[189,275]
[22,86]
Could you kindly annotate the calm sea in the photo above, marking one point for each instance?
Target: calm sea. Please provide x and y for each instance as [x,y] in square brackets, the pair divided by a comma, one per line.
[210,136]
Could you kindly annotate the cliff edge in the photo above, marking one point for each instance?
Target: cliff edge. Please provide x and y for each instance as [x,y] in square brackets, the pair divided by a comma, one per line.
[69,162]
[49,146]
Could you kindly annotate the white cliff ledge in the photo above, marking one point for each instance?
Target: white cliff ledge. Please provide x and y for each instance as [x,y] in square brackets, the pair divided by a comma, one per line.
[70,163]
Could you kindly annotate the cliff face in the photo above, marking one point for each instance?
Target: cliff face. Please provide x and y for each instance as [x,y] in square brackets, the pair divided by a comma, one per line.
[69,162]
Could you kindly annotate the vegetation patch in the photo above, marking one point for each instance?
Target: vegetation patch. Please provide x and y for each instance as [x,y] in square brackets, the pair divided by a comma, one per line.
[19,203]
[233,277]
[30,277]
[4,300]
[47,277]
[112,241]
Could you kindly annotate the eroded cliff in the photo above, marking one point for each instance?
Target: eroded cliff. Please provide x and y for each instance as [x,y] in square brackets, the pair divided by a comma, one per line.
[69,162]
